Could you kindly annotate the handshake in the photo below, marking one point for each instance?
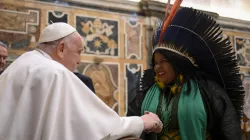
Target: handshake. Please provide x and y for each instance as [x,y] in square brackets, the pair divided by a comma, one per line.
[152,123]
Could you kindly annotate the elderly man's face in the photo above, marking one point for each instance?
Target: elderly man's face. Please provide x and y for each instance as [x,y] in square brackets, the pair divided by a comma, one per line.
[70,56]
[3,56]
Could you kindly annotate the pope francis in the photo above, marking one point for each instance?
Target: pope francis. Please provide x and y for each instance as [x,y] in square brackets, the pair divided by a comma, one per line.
[41,99]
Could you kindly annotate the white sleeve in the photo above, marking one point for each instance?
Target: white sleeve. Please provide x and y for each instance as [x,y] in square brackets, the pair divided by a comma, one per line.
[129,126]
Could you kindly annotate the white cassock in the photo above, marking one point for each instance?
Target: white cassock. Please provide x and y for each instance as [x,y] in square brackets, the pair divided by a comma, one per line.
[42,100]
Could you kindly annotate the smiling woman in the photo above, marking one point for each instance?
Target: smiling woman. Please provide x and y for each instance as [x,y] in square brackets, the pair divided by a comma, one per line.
[163,70]
[188,86]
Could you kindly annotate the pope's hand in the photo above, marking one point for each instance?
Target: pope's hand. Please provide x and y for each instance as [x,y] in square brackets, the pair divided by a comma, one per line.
[152,123]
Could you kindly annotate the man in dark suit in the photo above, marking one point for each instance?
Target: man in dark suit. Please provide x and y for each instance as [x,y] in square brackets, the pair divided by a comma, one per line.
[86,80]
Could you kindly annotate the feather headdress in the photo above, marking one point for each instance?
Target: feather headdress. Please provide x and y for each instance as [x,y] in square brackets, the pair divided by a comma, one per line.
[197,37]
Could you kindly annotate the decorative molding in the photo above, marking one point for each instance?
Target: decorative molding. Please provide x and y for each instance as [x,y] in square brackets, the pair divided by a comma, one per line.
[31,18]
[242,49]
[157,9]
[123,5]
[149,8]
[20,29]
[133,40]
[132,78]
[57,16]
[101,35]
[106,81]
[234,24]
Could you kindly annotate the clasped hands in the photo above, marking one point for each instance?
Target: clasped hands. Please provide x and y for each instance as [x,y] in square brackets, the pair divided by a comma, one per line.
[152,123]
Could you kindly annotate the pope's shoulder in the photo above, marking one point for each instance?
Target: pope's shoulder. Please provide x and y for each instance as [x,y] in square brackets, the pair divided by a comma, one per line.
[35,62]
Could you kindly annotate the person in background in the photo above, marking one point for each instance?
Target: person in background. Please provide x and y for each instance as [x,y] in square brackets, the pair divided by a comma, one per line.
[3,56]
[86,80]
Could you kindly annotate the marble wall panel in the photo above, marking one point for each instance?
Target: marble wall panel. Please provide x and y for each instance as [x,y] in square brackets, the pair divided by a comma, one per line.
[101,35]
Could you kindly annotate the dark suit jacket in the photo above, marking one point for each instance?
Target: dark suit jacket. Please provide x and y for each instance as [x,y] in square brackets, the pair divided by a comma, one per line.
[86,80]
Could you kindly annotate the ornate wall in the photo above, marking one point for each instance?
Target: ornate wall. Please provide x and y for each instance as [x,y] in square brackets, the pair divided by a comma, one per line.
[241,44]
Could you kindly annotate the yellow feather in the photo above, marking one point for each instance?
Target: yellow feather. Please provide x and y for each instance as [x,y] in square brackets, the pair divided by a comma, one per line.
[160,84]
[173,88]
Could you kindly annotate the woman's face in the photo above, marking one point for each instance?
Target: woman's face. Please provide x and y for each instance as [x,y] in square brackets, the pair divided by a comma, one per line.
[164,71]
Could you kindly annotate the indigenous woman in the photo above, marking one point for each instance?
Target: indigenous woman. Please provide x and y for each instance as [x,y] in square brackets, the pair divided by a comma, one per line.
[194,84]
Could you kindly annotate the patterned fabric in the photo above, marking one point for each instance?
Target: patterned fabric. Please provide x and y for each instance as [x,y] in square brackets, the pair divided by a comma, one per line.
[171,135]
[175,135]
